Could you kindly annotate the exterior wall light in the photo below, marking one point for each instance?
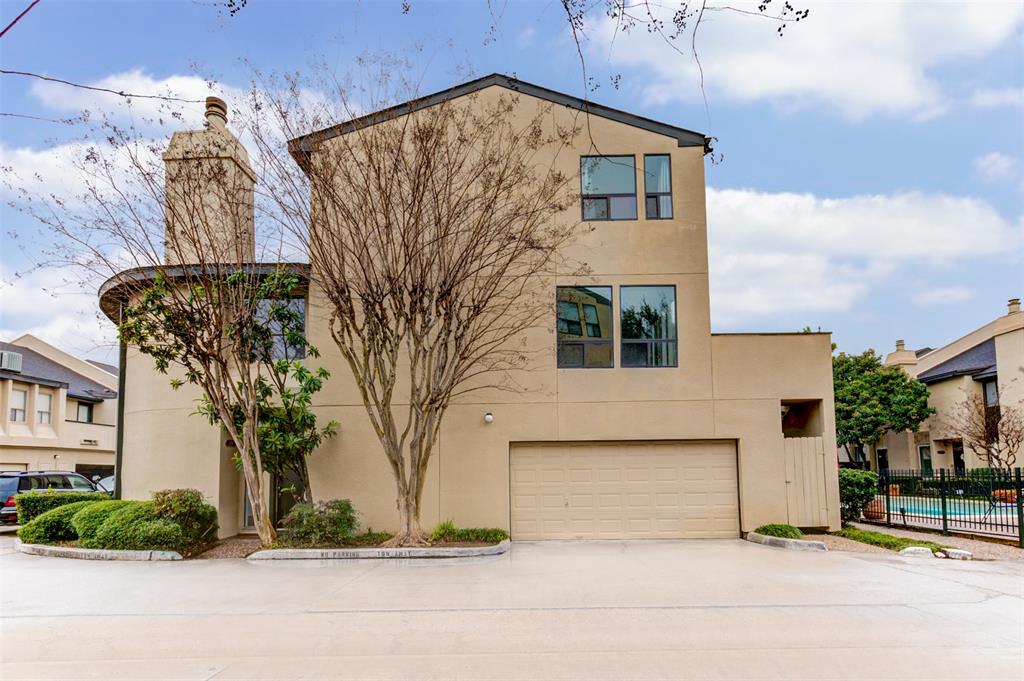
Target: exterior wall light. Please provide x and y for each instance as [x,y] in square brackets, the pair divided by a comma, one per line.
[488,417]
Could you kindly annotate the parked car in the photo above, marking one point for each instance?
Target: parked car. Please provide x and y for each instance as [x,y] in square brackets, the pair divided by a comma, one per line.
[105,484]
[12,484]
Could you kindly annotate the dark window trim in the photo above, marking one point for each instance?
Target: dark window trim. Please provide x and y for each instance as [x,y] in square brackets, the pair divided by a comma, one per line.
[984,392]
[668,193]
[623,339]
[607,197]
[585,340]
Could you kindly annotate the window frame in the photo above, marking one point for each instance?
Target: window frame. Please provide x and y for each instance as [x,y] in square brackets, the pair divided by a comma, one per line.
[89,408]
[984,392]
[584,339]
[607,197]
[650,341]
[647,194]
[48,411]
[920,459]
[23,409]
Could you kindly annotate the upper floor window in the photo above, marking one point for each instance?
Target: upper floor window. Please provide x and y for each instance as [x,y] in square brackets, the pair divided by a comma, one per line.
[19,401]
[608,187]
[648,317]
[84,412]
[584,326]
[991,391]
[280,319]
[658,186]
[44,405]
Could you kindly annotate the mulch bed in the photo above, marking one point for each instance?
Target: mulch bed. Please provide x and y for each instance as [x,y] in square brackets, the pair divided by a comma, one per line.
[232,547]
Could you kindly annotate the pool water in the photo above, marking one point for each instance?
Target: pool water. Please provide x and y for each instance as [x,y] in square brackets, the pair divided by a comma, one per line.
[933,507]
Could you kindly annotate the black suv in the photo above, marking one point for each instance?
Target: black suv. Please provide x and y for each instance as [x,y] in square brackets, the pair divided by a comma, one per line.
[14,483]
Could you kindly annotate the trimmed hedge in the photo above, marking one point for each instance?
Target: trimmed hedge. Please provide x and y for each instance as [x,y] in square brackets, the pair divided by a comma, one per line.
[55,525]
[87,522]
[186,508]
[448,532]
[780,530]
[120,530]
[331,523]
[856,490]
[34,504]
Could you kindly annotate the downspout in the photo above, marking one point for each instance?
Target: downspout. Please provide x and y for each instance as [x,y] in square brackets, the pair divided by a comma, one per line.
[119,443]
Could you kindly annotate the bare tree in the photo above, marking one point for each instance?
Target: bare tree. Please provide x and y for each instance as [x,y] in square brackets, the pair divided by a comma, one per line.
[175,240]
[994,433]
[433,236]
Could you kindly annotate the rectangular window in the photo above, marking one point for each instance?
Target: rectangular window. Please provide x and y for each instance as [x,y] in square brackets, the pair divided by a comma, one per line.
[648,317]
[84,412]
[19,400]
[924,452]
[991,393]
[584,327]
[44,407]
[658,186]
[608,187]
[280,319]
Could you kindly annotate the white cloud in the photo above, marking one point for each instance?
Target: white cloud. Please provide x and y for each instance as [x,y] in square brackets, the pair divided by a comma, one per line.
[61,312]
[859,59]
[943,295]
[788,252]
[989,98]
[997,167]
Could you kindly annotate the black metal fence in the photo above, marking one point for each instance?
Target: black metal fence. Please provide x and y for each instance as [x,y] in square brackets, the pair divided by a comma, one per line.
[979,500]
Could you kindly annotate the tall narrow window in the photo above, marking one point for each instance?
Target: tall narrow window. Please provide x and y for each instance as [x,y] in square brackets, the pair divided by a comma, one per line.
[608,187]
[584,326]
[280,318]
[658,186]
[19,401]
[648,316]
[924,453]
[991,391]
[84,412]
[44,404]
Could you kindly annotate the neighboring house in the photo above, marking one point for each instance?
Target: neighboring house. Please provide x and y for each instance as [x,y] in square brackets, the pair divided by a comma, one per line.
[988,362]
[634,421]
[59,412]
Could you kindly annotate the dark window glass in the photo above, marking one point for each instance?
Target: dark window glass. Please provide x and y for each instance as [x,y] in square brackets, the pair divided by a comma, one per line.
[925,453]
[85,412]
[991,393]
[278,322]
[658,186]
[649,337]
[608,187]
[8,486]
[585,326]
[57,482]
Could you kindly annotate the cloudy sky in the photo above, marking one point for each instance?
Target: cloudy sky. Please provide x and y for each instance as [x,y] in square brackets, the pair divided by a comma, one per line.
[872,173]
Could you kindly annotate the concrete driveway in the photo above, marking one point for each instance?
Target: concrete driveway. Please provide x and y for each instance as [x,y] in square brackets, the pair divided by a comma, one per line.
[699,609]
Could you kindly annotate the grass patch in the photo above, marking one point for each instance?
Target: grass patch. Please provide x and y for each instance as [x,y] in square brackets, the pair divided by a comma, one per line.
[886,541]
[447,532]
[780,530]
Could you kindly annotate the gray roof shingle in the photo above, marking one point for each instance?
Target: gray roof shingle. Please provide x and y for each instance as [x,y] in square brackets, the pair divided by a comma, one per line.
[36,368]
[977,361]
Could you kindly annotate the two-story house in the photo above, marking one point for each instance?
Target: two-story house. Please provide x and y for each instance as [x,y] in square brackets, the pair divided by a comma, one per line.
[634,421]
[57,412]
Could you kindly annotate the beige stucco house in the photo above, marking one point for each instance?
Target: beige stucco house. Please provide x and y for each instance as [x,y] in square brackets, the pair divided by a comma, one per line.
[634,421]
[988,362]
[59,412]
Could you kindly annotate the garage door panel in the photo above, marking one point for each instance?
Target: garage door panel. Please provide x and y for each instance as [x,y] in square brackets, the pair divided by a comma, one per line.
[624,490]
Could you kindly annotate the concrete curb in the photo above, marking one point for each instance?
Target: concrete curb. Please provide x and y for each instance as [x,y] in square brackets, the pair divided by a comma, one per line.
[378,553]
[93,554]
[782,543]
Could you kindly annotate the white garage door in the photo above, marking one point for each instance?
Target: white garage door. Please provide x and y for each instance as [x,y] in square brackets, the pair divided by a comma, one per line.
[664,490]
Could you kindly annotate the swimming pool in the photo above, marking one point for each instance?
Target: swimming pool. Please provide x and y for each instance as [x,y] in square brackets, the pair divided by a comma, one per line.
[954,507]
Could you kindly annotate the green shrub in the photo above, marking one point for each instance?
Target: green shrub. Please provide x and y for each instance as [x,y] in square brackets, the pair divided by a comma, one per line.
[87,521]
[151,535]
[53,526]
[446,531]
[780,530]
[886,541]
[119,530]
[331,523]
[856,490]
[33,504]
[186,508]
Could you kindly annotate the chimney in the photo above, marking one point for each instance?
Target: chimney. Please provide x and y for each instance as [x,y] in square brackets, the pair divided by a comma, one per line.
[1013,306]
[216,113]
[900,346]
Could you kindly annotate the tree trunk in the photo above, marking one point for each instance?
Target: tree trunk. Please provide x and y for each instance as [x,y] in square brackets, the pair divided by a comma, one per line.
[409,531]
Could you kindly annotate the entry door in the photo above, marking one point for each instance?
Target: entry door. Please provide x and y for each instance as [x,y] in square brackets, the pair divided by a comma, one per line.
[805,481]
[628,490]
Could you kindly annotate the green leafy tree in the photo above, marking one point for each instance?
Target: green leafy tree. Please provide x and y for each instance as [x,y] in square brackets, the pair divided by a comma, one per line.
[873,399]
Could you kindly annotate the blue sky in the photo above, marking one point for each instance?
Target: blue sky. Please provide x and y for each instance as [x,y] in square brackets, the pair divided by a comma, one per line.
[872,180]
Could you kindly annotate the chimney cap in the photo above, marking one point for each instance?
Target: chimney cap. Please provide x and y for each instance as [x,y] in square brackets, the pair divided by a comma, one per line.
[900,345]
[216,111]
[1013,305]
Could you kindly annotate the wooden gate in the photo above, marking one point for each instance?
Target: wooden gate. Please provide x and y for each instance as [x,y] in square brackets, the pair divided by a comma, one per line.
[805,481]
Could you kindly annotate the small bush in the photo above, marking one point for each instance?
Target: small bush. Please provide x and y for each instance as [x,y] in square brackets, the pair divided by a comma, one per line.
[856,490]
[152,535]
[87,521]
[446,531]
[53,526]
[34,504]
[331,523]
[186,508]
[370,538]
[119,530]
[780,530]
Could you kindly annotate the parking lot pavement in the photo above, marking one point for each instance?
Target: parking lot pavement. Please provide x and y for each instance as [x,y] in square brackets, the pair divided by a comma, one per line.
[700,609]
